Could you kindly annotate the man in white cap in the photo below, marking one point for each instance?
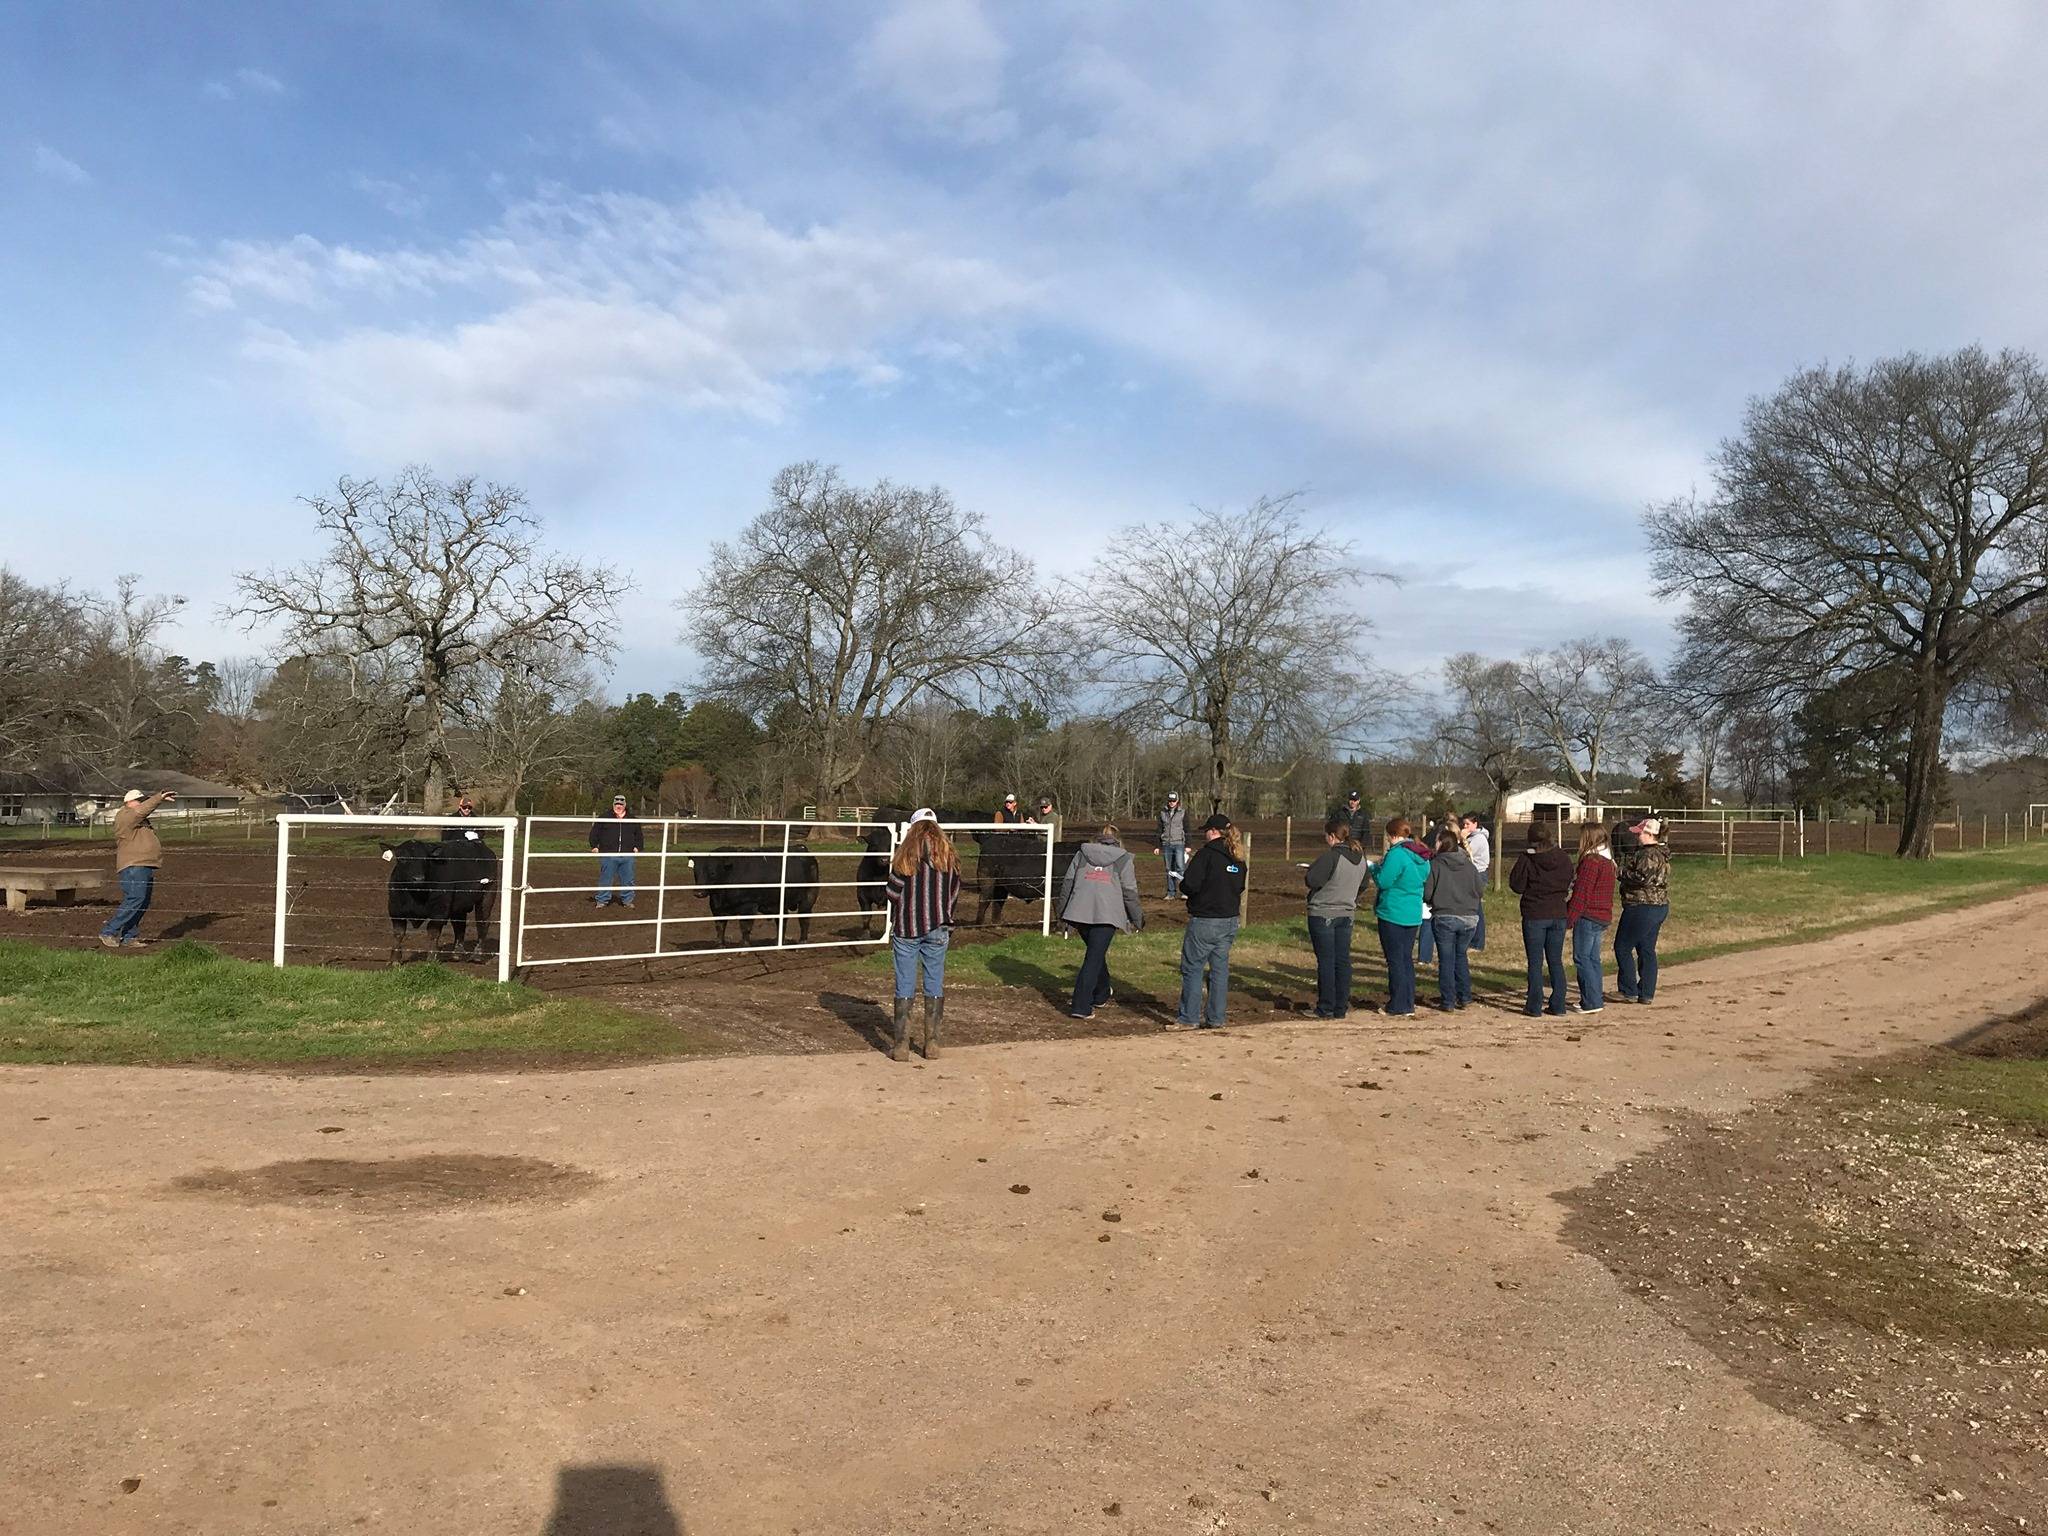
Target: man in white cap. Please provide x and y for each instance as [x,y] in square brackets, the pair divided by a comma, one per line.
[1173,843]
[137,853]
[1008,811]
[615,839]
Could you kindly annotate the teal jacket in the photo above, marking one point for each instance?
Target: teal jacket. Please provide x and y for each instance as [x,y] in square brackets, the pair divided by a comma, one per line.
[1399,879]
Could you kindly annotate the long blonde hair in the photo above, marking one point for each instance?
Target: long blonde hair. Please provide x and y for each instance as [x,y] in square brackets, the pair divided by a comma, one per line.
[1233,842]
[925,843]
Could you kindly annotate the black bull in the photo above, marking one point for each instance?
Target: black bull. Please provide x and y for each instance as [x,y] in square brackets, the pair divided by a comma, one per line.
[745,883]
[439,884]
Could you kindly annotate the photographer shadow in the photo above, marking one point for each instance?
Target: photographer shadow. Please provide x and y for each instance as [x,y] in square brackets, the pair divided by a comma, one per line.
[611,1500]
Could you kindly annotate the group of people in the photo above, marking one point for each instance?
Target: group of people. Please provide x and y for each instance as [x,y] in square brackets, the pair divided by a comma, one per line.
[1427,895]
[1562,899]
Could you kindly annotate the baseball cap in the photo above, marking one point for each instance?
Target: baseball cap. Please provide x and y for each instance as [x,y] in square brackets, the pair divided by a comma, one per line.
[1652,825]
[1008,798]
[1173,794]
[1217,823]
[618,799]
[1352,796]
[926,813]
[133,794]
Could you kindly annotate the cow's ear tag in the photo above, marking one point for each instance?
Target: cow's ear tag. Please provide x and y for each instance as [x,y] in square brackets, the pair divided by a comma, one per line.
[386,855]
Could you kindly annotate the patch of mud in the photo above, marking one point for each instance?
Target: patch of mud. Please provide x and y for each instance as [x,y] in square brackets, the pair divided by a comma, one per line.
[1870,1256]
[435,1181]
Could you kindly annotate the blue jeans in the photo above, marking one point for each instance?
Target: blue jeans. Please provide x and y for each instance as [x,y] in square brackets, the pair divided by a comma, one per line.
[1454,963]
[1479,936]
[1543,943]
[1205,956]
[1091,982]
[1425,946]
[931,949]
[1397,943]
[1330,938]
[1176,855]
[615,869]
[138,881]
[1635,951]
[1586,936]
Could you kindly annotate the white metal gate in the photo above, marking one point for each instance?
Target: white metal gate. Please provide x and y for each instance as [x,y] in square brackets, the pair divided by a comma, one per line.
[675,847]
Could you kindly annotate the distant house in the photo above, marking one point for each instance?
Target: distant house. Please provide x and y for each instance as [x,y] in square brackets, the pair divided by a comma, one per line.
[73,797]
[1546,802]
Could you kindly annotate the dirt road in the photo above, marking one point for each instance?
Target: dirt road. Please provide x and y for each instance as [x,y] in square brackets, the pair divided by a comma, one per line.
[828,1294]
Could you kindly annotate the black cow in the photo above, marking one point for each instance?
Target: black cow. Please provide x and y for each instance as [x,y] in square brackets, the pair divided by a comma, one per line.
[872,871]
[742,883]
[432,884]
[1013,864]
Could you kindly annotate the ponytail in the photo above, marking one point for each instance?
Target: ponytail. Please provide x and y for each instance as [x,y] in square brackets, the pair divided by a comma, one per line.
[1340,827]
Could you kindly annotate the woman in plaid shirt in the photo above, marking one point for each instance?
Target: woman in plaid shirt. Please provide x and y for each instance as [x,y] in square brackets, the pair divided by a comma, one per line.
[923,886]
[1587,913]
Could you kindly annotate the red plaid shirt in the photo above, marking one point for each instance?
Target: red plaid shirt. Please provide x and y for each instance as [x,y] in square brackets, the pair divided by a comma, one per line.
[1592,891]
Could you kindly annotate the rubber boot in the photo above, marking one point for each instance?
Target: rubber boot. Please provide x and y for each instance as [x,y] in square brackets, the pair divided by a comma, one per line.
[934,1018]
[899,1034]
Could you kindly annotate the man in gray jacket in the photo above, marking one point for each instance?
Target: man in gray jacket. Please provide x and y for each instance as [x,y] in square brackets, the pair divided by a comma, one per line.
[1099,900]
[1173,843]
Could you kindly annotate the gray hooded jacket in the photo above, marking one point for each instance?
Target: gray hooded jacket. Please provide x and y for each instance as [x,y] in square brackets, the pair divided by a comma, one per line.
[1101,886]
[1334,881]
[1173,824]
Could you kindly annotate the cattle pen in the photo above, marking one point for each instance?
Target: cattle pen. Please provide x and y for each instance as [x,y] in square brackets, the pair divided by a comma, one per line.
[506,826]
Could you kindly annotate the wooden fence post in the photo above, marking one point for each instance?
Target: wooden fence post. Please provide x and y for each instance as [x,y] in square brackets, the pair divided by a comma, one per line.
[2008,829]
[1728,842]
[1827,835]
[1287,847]
[1781,839]
[1983,829]
[1866,834]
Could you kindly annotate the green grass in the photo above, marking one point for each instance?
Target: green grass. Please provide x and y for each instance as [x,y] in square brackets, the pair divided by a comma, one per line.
[188,1003]
[1714,910]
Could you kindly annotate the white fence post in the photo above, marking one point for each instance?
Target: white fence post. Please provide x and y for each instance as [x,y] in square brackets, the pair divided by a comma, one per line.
[284,833]
[1045,919]
[782,890]
[660,891]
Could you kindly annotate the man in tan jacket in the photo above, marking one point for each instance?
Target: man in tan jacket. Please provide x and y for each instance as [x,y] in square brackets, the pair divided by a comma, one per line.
[137,853]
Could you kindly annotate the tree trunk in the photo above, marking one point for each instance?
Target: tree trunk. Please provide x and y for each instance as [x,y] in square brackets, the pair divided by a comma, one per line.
[1500,827]
[1923,771]
[1219,767]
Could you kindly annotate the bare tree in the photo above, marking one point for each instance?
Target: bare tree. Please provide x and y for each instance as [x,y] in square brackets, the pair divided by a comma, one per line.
[1237,629]
[1891,518]
[231,738]
[423,583]
[129,695]
[43,638]
[527,723]
[1756,755]
[1485,722]
[1592,699]
[840,607]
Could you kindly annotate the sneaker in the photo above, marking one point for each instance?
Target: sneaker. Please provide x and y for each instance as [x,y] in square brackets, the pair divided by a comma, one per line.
[1596,1008]
[627,902]
[1088,1015]
[135,941]
[108,941]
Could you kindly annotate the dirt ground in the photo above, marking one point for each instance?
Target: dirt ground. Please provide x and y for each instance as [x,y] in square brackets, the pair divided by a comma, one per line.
[1292,1276]
[1869,1254]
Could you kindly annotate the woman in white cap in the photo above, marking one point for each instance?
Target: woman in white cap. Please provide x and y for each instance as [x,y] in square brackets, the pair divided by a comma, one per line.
[923,888]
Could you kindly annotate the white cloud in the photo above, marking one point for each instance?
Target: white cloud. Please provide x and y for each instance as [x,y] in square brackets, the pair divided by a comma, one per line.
[402,199]
[941,61]
[58,167]
[582,310]
[244,83]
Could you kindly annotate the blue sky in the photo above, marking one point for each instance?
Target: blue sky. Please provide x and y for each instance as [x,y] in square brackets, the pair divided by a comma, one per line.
[1482,281]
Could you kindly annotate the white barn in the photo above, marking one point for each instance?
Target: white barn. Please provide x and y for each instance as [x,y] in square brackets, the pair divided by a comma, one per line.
[1546,802]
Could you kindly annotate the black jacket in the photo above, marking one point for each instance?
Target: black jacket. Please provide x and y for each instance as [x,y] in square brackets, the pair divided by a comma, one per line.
[1360,822]
[616,834]
[1214,883]
[1542,877]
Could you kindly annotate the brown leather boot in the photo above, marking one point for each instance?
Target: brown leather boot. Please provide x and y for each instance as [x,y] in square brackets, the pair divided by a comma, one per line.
[899,1033]
[934,1018]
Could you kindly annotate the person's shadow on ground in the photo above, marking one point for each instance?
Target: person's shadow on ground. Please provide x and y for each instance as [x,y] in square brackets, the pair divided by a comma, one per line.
[193,924]
[611,1501]
[864,1017]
